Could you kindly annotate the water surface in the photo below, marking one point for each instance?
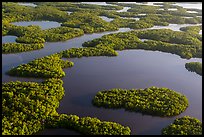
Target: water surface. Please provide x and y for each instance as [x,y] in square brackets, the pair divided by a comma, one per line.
[131,69]
[43,24]
[190,5]
[28,4]
[106,18]
[8,38]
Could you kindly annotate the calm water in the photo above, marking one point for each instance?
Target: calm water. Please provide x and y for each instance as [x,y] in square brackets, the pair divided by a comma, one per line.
[190,5]
[130,69]
[13,60]
[106,18]
[136,18]
[98,3]
[8,38]
[28,4]
[43,24]
[124,9]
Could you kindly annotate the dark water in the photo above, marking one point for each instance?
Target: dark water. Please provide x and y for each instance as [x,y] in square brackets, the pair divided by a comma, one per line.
[43,24]
[13,60]
[130,69]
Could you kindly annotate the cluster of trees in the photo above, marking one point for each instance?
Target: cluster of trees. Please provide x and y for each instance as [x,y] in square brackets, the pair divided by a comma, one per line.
[163,40]
[61,34]
[184,51]
[184,126]
[167,35]
[86,125]
[192,29]
[26,105]
[29,107]
[33,34]
[19,47]
[46,67]
[117,41]
[67,6]
[153,100]
[89,23]
[14,12]
[194,67]
[131,23]
[89,51]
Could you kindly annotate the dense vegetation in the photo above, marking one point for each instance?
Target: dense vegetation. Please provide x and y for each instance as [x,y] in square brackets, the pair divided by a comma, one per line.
[33,34]
[19,47]
[86,125]
[194,67]
[167,35]
[192,29]
[180,43]
[89,23]
[184,126]
[89,51]
[29,107]
[153,100]
[46,67]
[13,12]
[25,105]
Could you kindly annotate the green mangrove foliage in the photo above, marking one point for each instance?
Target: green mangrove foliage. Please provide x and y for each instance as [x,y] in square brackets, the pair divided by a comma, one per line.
[29,107]
[46,67]
[130,40]
[167,35]
[131,23]
[67,6]
[89,51]
[14,12]
[117,41]
[89,23]
[194,67]
[184,51]
[26,105]
[192,29]
[184,126]
[86,125]
[62,33]
[19,47]
[153,100]
[33,34]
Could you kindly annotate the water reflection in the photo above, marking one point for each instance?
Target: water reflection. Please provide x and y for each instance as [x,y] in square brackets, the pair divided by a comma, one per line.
[124,9]
[13,60]
[97,3]
[189,5]
[106,18]
[131,69]
[174,27]
[28,4]
[43,24]
[8,38]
